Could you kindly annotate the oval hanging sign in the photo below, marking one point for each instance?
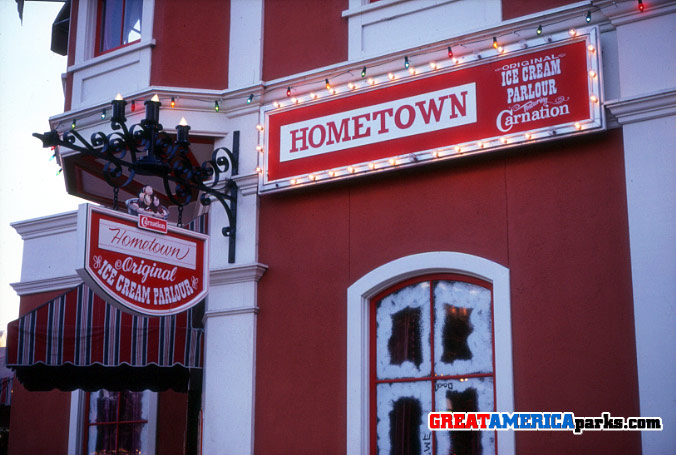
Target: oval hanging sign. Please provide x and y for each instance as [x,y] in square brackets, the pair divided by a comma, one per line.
[142,264]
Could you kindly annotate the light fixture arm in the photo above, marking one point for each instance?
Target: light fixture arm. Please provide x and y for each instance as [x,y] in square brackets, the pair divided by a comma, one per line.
[144,149]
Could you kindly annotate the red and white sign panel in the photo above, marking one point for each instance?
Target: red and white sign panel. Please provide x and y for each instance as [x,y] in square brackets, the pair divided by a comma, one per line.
[132,263]
[491,103]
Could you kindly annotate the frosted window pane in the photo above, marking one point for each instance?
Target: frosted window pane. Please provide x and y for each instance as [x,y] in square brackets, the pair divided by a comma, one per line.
[472,395]
[402,410]
[463,335]
[101,439]
[133,438]
[403,331]
[133,406]
[103,406]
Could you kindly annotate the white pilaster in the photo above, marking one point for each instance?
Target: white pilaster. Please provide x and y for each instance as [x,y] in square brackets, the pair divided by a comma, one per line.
[646,109]
[230,360]
[246,43]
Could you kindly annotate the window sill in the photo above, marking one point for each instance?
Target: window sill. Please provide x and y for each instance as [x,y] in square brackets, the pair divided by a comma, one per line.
[112,55]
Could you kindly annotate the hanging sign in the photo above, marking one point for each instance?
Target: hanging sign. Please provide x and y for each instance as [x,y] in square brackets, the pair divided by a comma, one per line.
[468,106]
[142,264]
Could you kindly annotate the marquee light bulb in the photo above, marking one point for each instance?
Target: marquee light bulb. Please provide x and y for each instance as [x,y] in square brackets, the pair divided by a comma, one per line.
[391,76]
[260,127]
[435,153]
[591,48]
[294,100]
[351,86]
[331,173]
[350,169]
[640,5]
[328,86]
[457,149]
[73,124]
[249,99]
[216,106]
[501,50]
[412,71]
[371,81]
[276,104]
[288,92]
[588,16]
[172,103]
[539,30]
[293,181]
[528,136]
[311,177]
[393,161]
[406,63]
[259,148]
[503,140]
[480,144]
[495,42]
[578,126]
[594,99]
[313,95]
[332,91]
[450,52]
[433,65]
[103,114]
[372,166]
[592,74]
[572,32]
[259,170]
[363,72]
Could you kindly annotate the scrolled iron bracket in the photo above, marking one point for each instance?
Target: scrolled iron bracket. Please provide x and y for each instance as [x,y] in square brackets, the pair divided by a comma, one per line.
[144,149]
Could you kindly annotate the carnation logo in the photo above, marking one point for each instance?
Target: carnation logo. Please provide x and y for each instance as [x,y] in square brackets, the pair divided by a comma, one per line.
[152,224]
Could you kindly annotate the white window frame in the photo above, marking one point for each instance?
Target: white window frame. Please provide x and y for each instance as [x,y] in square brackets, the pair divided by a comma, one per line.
[359,295]
[76,427]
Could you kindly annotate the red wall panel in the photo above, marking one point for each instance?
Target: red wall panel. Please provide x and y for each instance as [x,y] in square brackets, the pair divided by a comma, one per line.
[300,35]
[172,411]
[177,27]
[555,214]
[516,8]
[39,422]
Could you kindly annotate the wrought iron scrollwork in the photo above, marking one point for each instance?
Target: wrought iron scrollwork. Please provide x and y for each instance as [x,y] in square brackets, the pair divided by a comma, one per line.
[145,149]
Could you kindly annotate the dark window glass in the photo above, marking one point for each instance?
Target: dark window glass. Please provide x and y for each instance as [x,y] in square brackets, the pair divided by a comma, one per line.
[404,343]
[463,442]
[405,420]
[457,327]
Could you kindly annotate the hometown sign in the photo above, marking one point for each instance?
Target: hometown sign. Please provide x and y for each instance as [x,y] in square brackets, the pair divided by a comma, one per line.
[141,263]
[551,91]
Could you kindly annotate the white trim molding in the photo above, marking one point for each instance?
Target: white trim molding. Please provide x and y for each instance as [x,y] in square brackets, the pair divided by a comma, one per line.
[46,226]
[643,107]
[237,274]
[46,285]
[358,297]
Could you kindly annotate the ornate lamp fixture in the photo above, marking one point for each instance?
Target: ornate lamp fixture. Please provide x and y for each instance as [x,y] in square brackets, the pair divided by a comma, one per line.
[145,149]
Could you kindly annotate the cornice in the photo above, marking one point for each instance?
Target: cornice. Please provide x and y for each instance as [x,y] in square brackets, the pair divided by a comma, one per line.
[627,12]
[247,184]
[237,274]
[46,285]
[46,226]
[643,107]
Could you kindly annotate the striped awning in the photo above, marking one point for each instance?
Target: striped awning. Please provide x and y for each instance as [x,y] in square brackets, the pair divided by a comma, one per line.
[79,329]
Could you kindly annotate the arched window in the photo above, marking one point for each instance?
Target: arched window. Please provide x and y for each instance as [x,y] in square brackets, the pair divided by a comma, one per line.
[431,350]
[430,331]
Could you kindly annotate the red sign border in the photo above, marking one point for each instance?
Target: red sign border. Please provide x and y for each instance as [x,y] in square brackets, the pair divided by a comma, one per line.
[595,122]
[83,236]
